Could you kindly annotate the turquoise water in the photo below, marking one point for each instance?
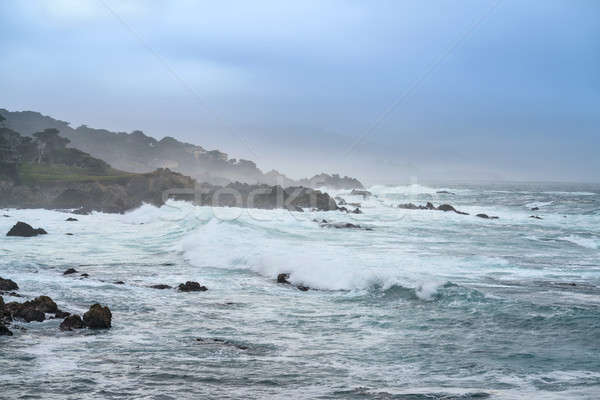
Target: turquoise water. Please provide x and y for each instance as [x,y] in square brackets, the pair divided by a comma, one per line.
[426,305]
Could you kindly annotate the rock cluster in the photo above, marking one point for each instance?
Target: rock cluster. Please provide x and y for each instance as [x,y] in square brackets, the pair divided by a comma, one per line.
[190,286]
[97,317]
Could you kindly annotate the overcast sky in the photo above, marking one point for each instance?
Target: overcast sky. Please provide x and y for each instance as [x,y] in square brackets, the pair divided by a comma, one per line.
[382,90]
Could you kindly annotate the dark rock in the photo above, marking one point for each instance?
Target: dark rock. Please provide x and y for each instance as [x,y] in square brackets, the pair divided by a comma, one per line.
[429,206]
[33,310]
[535,209]
[535,217]
[5,316]
[69,234]
[444,192]
[6,216]
[4,331]
[85,275]
[168,264]
[70,271]
[446,208]
[25,230]
[283,278]
[61,314]
[485,216]
[42,303]
[160,286]
[344,225]
[343,209]
[190,286]
[70,219]
[30,314]
[119,283]
[7,284]
[303,288]
[74,322]
[357,211]
[98,317]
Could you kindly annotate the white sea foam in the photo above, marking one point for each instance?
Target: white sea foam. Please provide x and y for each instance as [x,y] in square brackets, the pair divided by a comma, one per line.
[589,243]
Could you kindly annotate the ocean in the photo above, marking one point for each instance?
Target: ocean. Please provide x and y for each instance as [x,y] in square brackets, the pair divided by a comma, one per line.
[425,304]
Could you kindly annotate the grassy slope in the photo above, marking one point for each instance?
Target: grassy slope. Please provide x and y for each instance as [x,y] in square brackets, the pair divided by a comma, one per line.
[31,173]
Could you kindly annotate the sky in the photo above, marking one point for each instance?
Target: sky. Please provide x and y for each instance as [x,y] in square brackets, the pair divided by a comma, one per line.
[387,91]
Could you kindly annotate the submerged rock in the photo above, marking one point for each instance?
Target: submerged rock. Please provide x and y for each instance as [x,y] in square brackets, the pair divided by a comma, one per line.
[119,283]
[444,192]
[8,284]
[535,209]
[221,342]
[161,286]
[430,206]
[190,286]
[72,322]
[535,217]
[357,211]
[98,317]
[25,230]
[344,225]
[485,216]
[71,219]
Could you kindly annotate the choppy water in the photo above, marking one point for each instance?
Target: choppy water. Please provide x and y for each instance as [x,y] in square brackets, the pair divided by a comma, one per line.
[426,305]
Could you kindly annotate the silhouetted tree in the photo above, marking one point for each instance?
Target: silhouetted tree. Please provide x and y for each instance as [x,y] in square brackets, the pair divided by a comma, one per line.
[48,141]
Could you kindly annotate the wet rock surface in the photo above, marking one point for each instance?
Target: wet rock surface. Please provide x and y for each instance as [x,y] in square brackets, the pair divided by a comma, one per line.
[70,271]
[72,322]
[430,206]
[23,229]
[98,317]
[161,286]
[7,285]
[485,216]
[191,286]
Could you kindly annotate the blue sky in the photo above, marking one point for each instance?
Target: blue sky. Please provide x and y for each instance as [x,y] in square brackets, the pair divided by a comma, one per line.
[387,91]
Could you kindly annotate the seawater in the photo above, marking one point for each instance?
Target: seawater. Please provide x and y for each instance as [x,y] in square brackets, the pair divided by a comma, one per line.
[426,305]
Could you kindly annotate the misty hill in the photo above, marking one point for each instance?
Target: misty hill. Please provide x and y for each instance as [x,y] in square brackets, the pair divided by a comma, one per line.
[137,152]
[42,172]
